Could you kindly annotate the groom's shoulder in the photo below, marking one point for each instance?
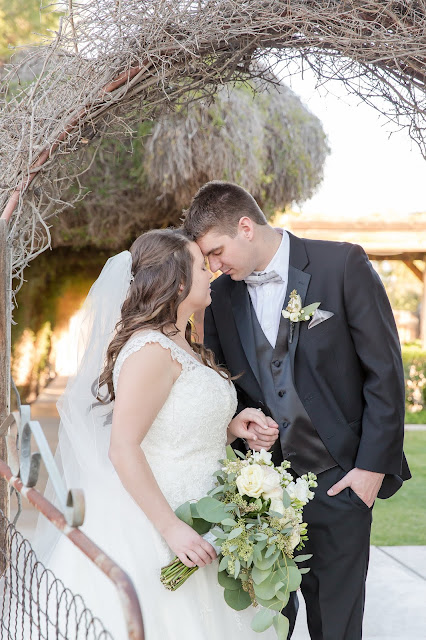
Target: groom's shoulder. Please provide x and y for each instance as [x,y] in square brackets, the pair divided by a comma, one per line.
[330,249]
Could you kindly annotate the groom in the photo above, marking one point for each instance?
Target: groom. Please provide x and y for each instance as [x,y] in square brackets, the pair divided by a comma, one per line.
[333,383]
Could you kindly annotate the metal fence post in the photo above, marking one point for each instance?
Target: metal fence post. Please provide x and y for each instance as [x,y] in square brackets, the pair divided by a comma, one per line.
[5,349]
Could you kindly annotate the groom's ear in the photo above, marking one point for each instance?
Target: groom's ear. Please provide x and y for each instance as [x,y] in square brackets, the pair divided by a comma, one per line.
[246,227]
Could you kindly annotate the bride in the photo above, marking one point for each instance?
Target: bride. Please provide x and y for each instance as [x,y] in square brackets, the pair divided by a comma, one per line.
[173,415]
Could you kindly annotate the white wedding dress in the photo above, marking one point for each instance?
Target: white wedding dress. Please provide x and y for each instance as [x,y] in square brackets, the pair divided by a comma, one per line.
[182,447]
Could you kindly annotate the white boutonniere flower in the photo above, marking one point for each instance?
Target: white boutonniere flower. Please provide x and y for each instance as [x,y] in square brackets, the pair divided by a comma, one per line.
[296,313]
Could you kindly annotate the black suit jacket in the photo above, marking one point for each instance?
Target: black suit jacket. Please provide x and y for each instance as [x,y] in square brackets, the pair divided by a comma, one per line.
[347,370]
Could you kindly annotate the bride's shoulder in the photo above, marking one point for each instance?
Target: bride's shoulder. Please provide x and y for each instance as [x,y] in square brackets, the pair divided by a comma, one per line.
[141,338]
[154,337]
[159,343]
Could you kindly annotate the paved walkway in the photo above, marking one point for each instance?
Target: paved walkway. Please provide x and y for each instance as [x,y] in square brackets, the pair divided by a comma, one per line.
[396,585]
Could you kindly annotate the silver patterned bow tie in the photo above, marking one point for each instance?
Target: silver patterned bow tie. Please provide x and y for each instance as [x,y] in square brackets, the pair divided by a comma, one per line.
[255,279]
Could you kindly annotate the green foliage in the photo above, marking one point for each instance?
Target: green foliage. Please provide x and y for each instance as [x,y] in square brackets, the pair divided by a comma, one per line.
[414,361]
[401,520]
[22,22]
[266,141]
[50,278]
[404,289]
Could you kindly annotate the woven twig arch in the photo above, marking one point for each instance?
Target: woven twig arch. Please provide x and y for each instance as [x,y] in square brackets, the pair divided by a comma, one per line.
[116,61]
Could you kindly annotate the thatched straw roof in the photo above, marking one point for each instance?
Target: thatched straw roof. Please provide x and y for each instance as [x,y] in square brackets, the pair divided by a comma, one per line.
[267,141]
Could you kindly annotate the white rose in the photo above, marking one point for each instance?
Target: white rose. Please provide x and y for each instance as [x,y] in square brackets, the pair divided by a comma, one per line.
[289,516]
[294,538]
[277,505]
[285,314]
[262,456]
[271,487]
[299,490]
[294,316]
[250,481]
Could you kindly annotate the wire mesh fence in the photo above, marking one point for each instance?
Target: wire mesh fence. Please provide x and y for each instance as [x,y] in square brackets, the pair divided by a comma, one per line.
[34,603]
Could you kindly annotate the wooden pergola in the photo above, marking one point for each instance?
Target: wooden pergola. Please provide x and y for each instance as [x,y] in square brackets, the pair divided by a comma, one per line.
[401,239]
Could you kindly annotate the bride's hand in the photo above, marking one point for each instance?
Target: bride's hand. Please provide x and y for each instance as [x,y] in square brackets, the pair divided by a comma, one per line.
[188,545]
[258,430]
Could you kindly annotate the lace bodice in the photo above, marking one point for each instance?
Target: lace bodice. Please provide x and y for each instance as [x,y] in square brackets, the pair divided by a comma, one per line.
[188,436]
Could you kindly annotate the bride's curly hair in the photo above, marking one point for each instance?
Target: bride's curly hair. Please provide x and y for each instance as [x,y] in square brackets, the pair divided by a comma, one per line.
[161,263]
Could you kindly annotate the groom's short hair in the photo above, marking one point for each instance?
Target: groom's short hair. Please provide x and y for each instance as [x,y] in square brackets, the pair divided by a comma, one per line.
[220,205]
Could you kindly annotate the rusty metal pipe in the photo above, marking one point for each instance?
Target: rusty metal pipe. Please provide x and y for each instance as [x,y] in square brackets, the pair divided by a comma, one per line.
[120,579]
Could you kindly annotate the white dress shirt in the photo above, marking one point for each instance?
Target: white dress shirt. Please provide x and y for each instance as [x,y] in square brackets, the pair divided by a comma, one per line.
[268,299]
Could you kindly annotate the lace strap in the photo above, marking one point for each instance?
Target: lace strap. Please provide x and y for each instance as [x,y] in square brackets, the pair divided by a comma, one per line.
[136,342]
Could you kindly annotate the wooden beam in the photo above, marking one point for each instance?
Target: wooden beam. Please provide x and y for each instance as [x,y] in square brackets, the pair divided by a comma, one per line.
[5,347]
[414,269]
[423,309]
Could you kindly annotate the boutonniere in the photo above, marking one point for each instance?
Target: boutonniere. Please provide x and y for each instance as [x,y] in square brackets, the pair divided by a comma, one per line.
[296,313]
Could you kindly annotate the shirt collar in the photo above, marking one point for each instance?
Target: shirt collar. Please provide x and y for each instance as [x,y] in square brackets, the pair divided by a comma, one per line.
[279,262]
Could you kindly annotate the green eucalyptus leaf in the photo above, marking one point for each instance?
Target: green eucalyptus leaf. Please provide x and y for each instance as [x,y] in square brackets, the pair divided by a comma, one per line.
[262,544]
[223,564]
[240,454]
[211,509]
[271,549]
[229,522]
[273,603]
[303,571]
[237,599]
[286,500]
[266,563]
[219,533]
[281,625]
[228,582]
[184,513]
[237,568]
[308,556]
[262,620]
[214,491]
[294,578]
[201,526]
[287,562]
[260,536]
[230,453]
[283,596]
[266,588]
[235,533]
[259,575]
[310,308]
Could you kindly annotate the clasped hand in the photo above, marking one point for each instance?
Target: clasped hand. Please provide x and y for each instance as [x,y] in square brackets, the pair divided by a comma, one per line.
[258,430]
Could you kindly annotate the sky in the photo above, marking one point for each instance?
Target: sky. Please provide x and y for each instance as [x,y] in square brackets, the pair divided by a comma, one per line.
[372,168]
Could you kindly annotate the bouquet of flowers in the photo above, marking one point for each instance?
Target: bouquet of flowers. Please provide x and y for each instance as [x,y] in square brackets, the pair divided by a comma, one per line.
[253,516]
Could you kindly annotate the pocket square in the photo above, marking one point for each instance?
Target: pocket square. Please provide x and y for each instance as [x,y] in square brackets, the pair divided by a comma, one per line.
[319,316]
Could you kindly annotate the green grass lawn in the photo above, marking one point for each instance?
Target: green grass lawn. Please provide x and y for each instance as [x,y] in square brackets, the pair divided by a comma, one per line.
[415,418]
[401,520]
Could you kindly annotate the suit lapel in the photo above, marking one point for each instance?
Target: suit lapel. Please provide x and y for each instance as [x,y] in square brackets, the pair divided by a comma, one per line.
[299,280]
[240,303]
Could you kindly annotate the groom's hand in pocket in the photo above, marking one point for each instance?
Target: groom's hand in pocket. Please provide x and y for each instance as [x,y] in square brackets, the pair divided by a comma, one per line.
[366,484]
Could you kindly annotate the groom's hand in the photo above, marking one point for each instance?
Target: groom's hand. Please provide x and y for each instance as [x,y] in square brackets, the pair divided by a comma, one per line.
[366,484]
[259,437]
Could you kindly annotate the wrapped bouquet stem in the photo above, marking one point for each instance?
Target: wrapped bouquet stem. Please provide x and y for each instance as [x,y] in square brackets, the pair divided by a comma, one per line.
[254,518]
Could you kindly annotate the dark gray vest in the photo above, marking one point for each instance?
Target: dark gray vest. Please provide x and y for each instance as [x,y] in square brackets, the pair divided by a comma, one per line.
[300,442]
